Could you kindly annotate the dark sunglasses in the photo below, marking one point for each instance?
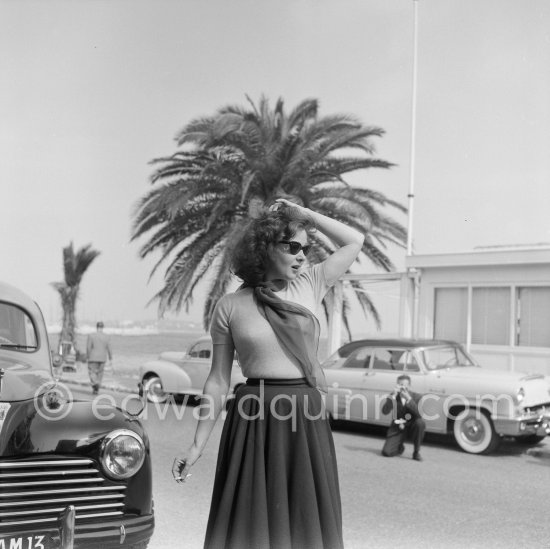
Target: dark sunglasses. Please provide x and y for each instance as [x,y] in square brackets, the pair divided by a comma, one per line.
[295,247]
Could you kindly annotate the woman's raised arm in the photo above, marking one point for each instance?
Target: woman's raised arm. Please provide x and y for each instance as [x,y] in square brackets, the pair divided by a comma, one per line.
[349,240]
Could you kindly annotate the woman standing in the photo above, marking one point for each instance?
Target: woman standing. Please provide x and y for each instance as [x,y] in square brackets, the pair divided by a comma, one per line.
[276,484]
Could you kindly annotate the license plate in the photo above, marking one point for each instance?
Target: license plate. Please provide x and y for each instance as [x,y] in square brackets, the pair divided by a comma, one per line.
[36,541]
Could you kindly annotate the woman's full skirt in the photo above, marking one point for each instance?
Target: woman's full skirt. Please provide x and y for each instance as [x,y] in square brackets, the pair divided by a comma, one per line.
[276,484]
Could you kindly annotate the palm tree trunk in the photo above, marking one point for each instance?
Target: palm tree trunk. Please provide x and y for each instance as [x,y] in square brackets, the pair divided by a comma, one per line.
[68,303]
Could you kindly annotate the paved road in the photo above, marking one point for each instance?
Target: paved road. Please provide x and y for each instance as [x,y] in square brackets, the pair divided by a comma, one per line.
[449,500]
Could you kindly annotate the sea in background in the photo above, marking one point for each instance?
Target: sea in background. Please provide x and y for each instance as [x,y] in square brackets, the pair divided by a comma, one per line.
[133,348]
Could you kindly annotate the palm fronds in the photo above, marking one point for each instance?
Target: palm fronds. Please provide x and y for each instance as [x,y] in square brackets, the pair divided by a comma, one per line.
[252,154]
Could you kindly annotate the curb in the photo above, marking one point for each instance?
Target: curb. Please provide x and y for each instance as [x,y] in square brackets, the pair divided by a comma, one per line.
[108,387]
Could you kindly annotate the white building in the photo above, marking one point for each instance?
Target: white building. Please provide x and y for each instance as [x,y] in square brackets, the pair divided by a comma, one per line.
[495,301]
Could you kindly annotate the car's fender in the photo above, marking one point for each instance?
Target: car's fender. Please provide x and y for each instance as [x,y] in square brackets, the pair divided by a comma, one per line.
[174,379]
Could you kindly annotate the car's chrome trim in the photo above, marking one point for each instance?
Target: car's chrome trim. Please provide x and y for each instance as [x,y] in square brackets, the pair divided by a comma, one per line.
[58,509]
[133,526]
[96,515]
[61,500]
[69,490]
[50,482]
[106,530]
[67,527]
[64,472]
[55,519]
[23,464]
[38,491]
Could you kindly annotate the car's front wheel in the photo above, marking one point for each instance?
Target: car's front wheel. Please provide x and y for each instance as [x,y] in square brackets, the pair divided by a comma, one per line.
[152,386]
[474,432]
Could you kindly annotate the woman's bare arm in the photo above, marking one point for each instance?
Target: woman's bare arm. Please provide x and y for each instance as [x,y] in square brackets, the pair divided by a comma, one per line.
[214,393]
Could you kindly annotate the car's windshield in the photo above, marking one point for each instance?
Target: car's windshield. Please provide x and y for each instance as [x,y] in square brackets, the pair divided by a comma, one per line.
[16,329]
[437,358]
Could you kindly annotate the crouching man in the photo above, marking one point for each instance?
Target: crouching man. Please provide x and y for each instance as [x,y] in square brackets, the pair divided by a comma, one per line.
[406,419]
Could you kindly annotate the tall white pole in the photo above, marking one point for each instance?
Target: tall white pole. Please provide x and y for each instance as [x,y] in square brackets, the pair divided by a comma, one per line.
[413,287]
[413,134]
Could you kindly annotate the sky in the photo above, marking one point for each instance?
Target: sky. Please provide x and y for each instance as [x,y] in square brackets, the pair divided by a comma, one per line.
[93,90]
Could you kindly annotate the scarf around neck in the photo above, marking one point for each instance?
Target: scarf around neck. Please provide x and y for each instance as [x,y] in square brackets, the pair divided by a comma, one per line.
[297,329]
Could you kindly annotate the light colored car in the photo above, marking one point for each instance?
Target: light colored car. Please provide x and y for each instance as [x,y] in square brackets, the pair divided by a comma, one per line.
[179,373]
[476,405]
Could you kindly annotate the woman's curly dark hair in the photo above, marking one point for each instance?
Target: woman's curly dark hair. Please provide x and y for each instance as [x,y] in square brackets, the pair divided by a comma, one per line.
[250,254]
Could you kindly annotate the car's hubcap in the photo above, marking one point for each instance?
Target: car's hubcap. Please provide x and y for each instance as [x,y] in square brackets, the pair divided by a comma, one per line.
[156,388]
[155,392]
[473,431]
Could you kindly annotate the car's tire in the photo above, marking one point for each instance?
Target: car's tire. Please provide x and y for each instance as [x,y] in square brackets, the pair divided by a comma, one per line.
[152,387]
[474,432]
[530,440]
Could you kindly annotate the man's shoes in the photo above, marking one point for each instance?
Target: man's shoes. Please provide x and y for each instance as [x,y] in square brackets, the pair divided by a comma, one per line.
[95,390]
[401,449]
[417,456]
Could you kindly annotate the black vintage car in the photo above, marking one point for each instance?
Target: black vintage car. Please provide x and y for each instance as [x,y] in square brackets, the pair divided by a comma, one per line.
[73,473]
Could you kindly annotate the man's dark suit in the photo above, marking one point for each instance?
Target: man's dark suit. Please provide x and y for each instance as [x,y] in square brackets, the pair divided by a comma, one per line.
[414,425]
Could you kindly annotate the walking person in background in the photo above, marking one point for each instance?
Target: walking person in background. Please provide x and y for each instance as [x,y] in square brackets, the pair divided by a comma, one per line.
[276,483]
[406,419]
[98,350]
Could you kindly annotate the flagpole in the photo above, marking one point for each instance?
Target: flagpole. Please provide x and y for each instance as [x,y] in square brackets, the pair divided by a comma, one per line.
[413,275]
[413,134]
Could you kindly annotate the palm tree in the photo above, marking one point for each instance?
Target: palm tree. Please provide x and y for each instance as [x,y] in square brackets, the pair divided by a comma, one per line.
[240,158]
[74,267]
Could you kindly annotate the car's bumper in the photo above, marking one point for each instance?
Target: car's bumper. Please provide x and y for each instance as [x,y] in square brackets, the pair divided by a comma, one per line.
[110,534]
[533,424]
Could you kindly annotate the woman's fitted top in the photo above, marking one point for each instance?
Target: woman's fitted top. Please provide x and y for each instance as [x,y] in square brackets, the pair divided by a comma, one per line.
[237,320]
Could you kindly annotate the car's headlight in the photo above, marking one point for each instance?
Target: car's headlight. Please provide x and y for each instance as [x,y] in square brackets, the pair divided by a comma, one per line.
[122,453]
[520,395]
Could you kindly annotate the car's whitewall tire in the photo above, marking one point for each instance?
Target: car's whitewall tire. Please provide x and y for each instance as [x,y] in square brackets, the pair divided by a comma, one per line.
[474,432]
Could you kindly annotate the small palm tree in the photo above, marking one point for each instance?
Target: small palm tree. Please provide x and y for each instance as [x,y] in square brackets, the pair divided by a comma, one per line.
[74,267]
[232,163]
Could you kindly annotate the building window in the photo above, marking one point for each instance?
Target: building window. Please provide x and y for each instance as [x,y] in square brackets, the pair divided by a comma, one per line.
[491,316]
[533,322]
[451,314]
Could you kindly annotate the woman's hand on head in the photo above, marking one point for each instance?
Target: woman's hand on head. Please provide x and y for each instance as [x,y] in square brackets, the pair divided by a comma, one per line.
[183,462]
[284,202]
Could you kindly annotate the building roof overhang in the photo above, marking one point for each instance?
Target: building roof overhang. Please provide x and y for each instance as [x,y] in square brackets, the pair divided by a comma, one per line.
[498,256]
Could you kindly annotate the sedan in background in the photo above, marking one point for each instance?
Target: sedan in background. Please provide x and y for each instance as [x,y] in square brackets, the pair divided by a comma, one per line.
[182,373]
[476,405]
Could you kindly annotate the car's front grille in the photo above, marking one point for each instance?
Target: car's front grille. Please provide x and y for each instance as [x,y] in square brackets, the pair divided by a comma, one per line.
[35,492]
